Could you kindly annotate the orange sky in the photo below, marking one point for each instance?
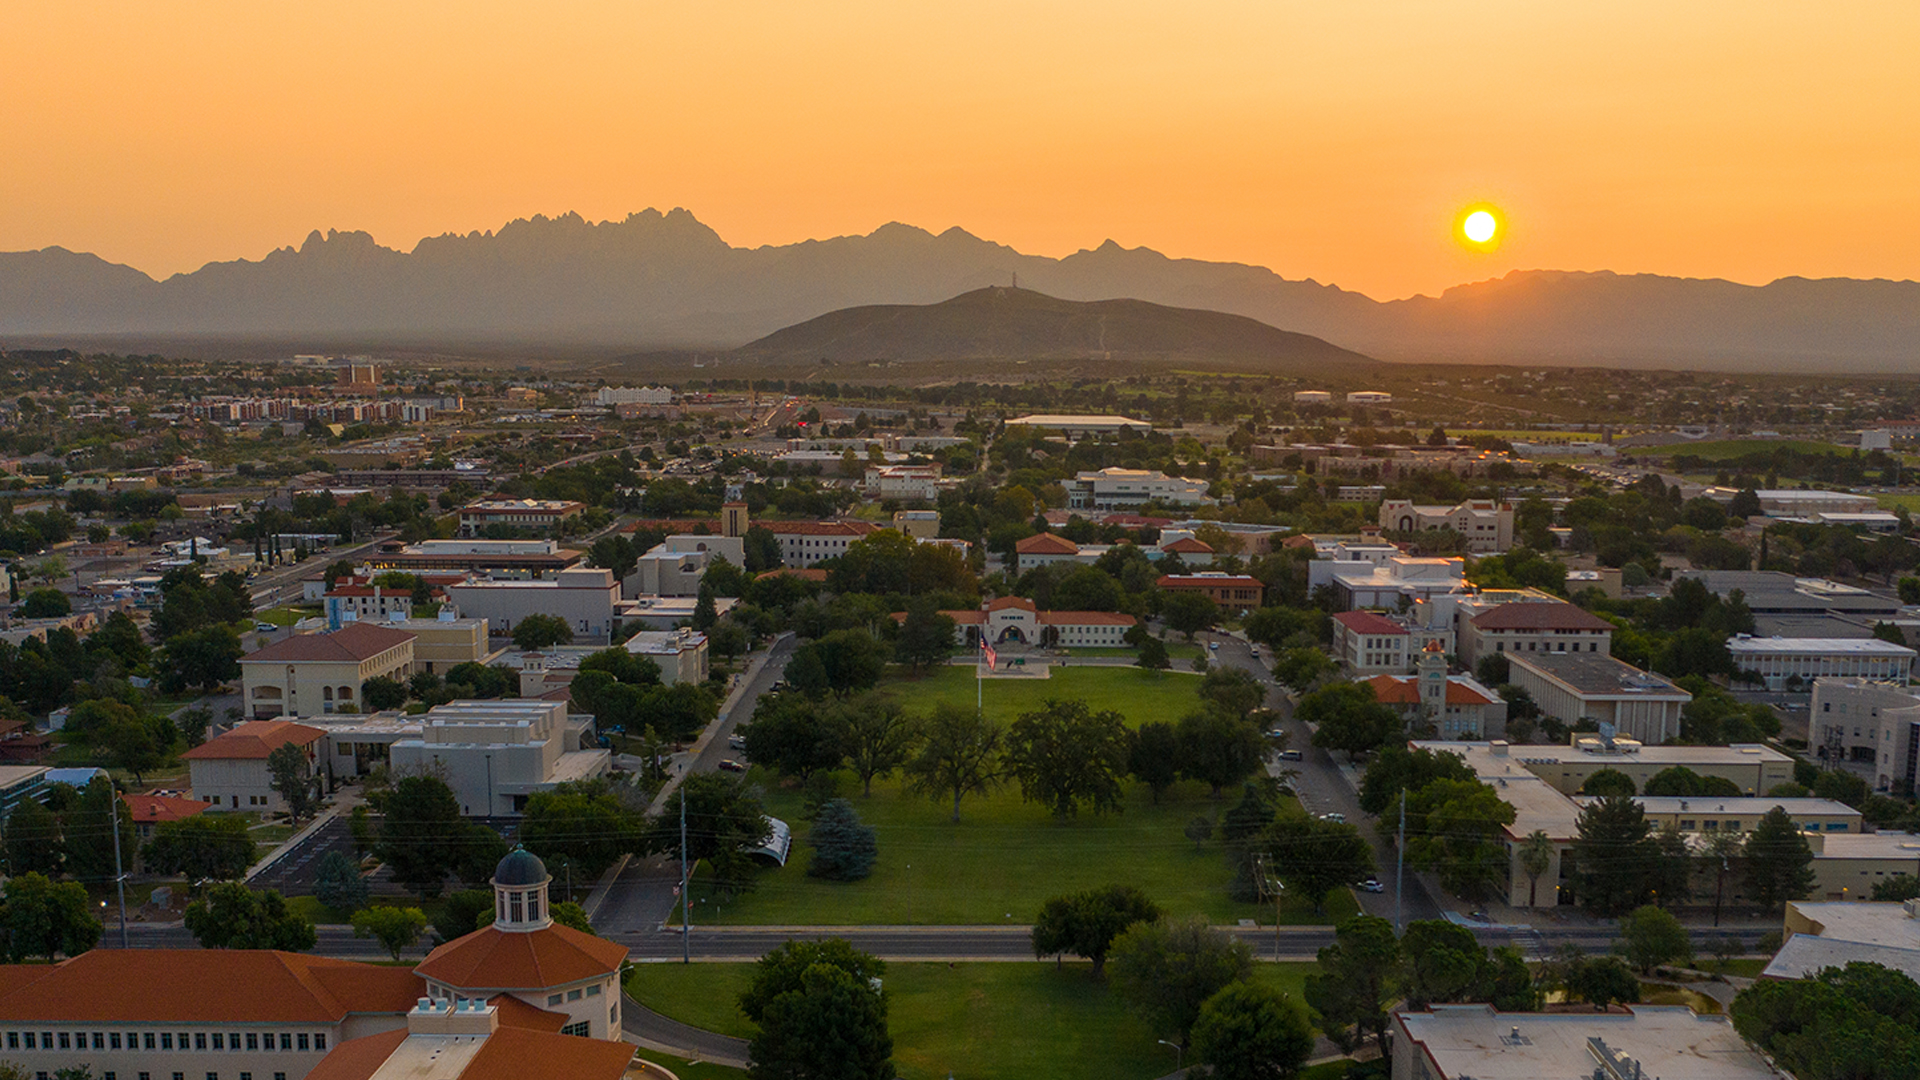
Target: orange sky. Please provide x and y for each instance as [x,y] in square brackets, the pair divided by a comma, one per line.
[1329,140]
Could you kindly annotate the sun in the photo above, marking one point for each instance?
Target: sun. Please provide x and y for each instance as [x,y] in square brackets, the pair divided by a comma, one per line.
[1480,227]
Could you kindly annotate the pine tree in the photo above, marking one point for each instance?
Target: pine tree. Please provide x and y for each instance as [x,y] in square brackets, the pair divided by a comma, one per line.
[1779,861]
[844,849]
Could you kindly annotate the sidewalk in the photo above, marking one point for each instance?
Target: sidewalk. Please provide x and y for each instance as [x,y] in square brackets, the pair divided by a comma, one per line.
[342,804]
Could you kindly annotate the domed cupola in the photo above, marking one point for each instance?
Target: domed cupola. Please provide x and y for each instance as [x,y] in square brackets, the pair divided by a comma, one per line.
[520,892]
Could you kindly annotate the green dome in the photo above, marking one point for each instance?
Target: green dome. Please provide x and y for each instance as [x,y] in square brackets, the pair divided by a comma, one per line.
[520,867]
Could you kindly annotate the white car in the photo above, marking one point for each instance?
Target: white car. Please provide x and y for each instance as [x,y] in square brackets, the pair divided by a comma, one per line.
[1336,817]
[1370,885]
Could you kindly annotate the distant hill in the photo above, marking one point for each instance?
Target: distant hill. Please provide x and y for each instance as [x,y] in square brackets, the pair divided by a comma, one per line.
[658,281]
[998,322]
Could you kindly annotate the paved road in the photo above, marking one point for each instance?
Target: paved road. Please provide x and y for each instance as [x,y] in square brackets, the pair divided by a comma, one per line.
[642,897]
[1321,788]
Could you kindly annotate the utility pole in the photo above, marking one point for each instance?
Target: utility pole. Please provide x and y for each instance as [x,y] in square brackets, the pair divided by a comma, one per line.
[119,876]
[1400,865]
[686,900]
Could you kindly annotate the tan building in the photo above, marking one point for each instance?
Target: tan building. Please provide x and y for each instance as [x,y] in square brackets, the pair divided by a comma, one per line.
[496,754]
[1456,706]
[516,515]
[1573,687]
[1824,934]
[229,772]
[440,644]
[1525,626]
[1862,721]
[1234,592]
[583,596]
[1487,524]
[919,524]
[322,673]
[1478,1042]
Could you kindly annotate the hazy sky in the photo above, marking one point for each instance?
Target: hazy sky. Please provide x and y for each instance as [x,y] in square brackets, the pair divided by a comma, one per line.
[1337,141]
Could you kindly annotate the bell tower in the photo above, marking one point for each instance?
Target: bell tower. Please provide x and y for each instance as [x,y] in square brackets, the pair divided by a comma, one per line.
[520,893]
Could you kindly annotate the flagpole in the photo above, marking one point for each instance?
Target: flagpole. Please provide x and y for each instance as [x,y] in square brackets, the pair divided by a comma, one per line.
[980,680]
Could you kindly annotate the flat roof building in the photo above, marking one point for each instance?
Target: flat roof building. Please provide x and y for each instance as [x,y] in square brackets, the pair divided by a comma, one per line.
[1824,934]
[516,515]
[496,754]
[1571,687]
[1478,1042]
[1778,659]
[1080,426]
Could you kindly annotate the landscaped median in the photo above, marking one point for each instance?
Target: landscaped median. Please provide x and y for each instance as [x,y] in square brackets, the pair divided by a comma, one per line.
[979,1020]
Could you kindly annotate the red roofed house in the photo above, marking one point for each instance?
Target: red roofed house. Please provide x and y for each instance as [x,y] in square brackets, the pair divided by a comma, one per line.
[1456,706]
[1236,592]
[230,772]
[1366,643]
[1045,549]
[506,1002]
[1016,619]
[1192,551]
[314,674]
[151,810]
[1526,626]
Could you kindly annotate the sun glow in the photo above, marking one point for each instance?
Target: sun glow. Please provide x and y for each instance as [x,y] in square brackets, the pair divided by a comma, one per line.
[1480,227]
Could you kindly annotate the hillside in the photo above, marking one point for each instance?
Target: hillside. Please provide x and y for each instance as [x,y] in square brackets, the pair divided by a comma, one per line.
[1005,323]
[655,281]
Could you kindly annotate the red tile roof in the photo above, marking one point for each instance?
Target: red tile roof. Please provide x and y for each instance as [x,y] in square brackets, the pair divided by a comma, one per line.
[1400,690]
[254,739]
[358,1059]
[493,959]
[109,986]
[1198,581]
[1046,544]
[1522,615]
[517,1013]
[1006,602]
[1085,618]
[1366,622]
[810,573]
[154,809]
[350,644]
[516,1054]
[820,528]
[1187,545]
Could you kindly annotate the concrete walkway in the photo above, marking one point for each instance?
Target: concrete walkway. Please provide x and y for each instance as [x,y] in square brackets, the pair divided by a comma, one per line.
[342,804]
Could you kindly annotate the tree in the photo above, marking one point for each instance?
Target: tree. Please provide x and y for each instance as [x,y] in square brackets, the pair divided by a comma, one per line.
[1651,936]
[1298,669]
[960,756]
[1856,1022]
[541,632]
[421,813]
[722,817]
[1247,1031]
[1684,783]
[337,882]
[1086,923]
[879,737]
[291,776]
[1397,768]
[1779,861]
[33,842]
[1444,963]
[193,725]
[853,660]
[1189,612]
[394,927]
[381,693]
[1153,655]
[1536,856]
[463,912]
[88,842]
[42,917]
[796,735]
[216,846]
[232,916]
[1355,982]
[44,604]
[1608,782]
[925,638]
[1235,691]
[1896,888]
[138,744]
[1348,718]
[1602,980]
[705,610]
[580,823]
[1067,756]
[1613,856]
[1456,828]
[833,1026]
[1217,749]
[1166,970]
[202,658]
[1153,756]
[1314,857]
[844,848]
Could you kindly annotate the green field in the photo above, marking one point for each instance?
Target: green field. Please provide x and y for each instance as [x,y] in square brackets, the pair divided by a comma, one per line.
[1725,449]
[1135,693]
[285,616]
[1002,860]
[975,1020]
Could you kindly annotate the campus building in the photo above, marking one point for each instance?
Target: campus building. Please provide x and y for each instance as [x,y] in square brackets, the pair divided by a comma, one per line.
[1571,687]
[1867,722]
[1456,706]
[1046,549]
[1780,660]
[1079,426]
[803,543]
[308,674]
[583,596]
[516,515]
[493,558]
[229,771]
[1233,592]
[1487,524]
[1824,934]
[1634,1042]
[1115,488]
[1530,624]
[495,754]
[1015,620]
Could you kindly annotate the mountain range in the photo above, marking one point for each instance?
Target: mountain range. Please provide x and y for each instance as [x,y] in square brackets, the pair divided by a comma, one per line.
[657,281]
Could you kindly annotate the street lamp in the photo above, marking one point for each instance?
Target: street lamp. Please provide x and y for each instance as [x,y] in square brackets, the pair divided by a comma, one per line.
[1179,1052]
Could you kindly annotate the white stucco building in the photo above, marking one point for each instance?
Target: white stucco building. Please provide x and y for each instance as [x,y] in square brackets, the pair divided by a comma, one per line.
[583,596]
[494,754]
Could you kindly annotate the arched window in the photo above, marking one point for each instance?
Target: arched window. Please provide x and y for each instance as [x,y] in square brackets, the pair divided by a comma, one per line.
[346,693]
[326,693]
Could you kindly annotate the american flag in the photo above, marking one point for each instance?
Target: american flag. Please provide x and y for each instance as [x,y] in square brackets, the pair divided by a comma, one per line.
[986,651]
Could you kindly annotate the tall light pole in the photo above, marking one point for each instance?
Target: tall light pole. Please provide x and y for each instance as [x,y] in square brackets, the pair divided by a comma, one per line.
[1179,1052]
[119,876]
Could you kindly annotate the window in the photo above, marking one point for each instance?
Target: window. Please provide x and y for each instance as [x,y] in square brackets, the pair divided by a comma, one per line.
[213,1076]
[166,1040]
[552,999]
[246,1076]
[593,991]
[320,1040]
[147,1040]
[286,1041]
[279,1076]
[302,1041]
[579,1029]
[133,1040]
[99,1040]
[219,1041]
[199,1040]
[233,1041]
[108,1075]
[113,1041]
[253,1041]
[146,1076]
[13,1040]
[514,907]
[63,1041]
[573,995]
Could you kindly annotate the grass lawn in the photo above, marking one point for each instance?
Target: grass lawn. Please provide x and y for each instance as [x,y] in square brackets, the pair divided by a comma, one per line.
[687,1070]
[1727,449]
[285,616]
[269,835]
[979,1020]
[1179,650]
[1137,694]
[999,864]
[1751,967]
[1895,502]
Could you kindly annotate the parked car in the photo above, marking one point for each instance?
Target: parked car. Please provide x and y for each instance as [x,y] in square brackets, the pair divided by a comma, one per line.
[736,742]
[1290,755]
[1214,645]
[1336,817]
[731,765]
[265,627]
[1370,885]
